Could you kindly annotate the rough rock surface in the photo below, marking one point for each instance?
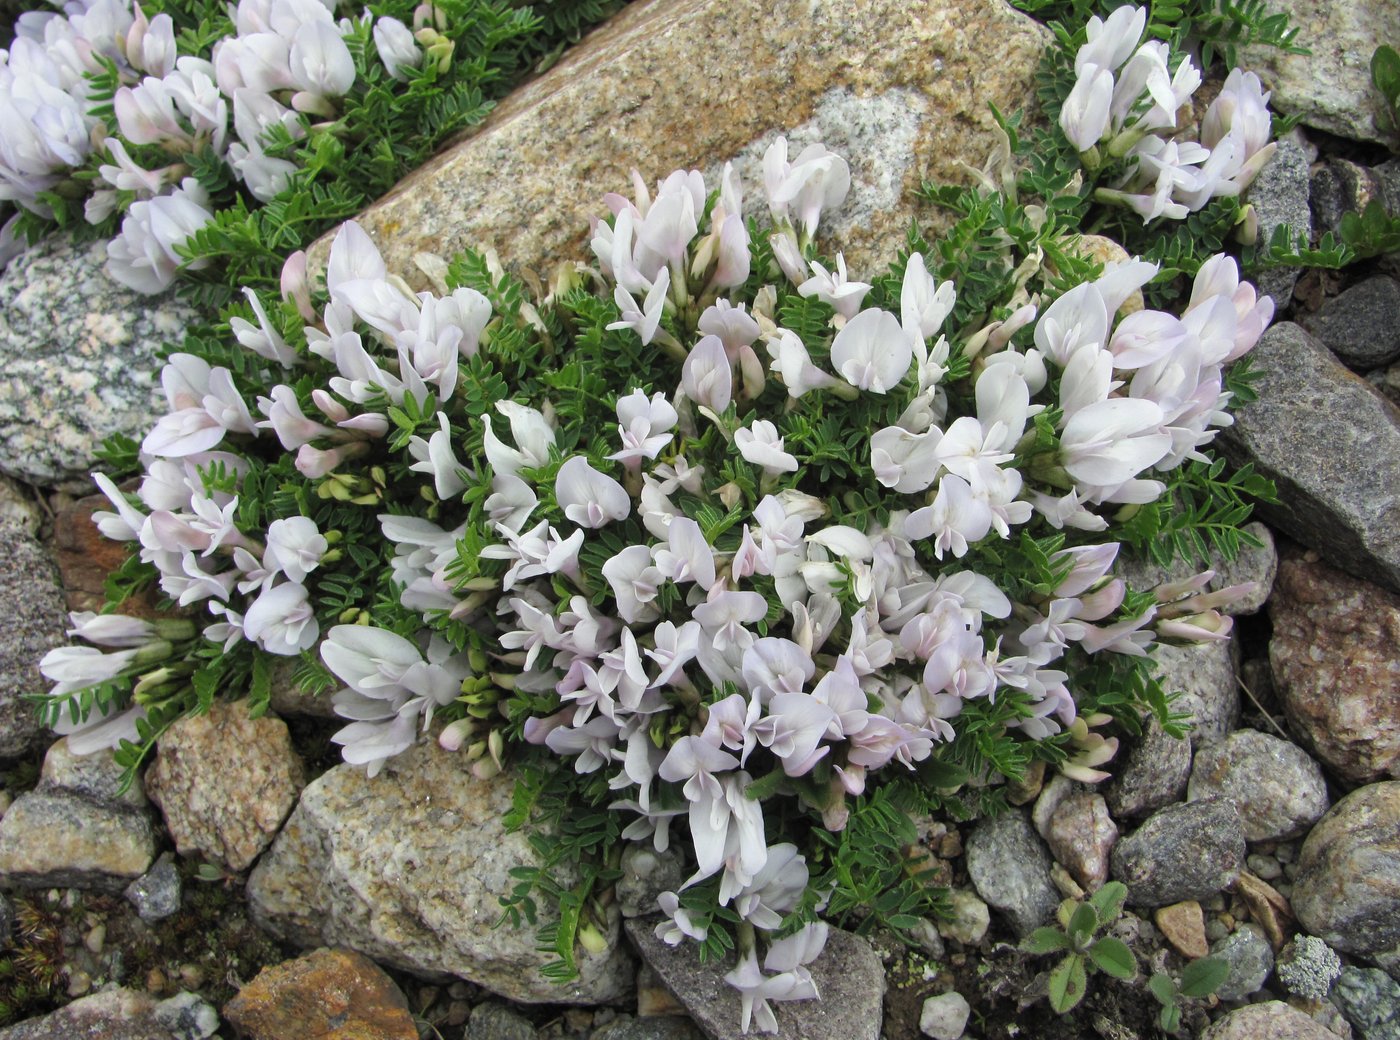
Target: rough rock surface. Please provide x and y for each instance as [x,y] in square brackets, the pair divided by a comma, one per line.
[1370,999]
[1152,773]
[1279,195]
[1081,834]
[80,360]
[1204,675]
[1331,443]
[1347,889]
[1273,1020]
[1257,565]
[1251,959]
[1277,789]
[80,836]
[326,994]
[408,868]
[32,622]
[1337,668]
[1187,851]
[901,90]
[1330,88]
[120,1014]
[1361,325]
[1010,867]
[85,558]
[848,974]
[225,782]
[156,894]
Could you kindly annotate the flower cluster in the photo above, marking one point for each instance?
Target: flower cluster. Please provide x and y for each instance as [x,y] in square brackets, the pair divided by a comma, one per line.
[1126,102]
[712,522]
[288,63]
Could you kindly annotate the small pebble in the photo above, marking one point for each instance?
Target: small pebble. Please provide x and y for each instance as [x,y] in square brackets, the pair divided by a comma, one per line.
[156,981]
[95,939]
[191,976]
[458,1012]
[578,1019]
[79,982]
[1265,867]
[1215,931]
[945,1016]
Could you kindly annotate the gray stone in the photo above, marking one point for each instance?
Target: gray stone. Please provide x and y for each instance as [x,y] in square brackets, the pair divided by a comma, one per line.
[493,1021]
[33,619]
[848,975]
[968,917]
[156,894]
[1081,834]
[665,1027]
[878,79]
[1361,325]
[1280,196]
[1153,772]
[1272,1020]
[1278,790]
[409,868]
[60,839]
[187,1017]
[226,808]
[945,1016]
[1010,867]
[1370,999]
[1347,889]
[646,873]
[1332,445]
[96,776]
[1340,186]
[7,923]
[80,356]
[1204,675]
[1251,959]
[118,1014]
[1188,851]
[1255,566]
[1330,87]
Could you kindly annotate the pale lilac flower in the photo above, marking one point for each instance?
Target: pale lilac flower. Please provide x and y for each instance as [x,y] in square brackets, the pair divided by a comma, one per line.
[1085,113]
[955,520]
[707,377]
[756,990]
[760,444]
[396,46]
[835,289]
[1109,43]
[646,319]
[295,546]
[264,340]
[115,630]
[871,352]
[686,556]
[793,729]
[590,498]
[286,419]
[534,437]
[817,180]
[634,582]
[923,304]
[1109,443]
[678,926]
[775,889]
[100,731]
[281,620]
[536,552]
[436,458]
[644,425]
[143,256]
[1078,318]
[794,365]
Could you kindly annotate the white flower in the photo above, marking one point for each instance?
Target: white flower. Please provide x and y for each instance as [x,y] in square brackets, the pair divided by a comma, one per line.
[143,256]
[319,61]
[871,352]
[1084,115]
[282,621]
[396,46]
[646,319]
[817,179]
[760,444]
[436,458]
[295,546]
[533,435]
[590,498]
[834,288]
[1109,443]
[645,425]
[707,377]
[923,304]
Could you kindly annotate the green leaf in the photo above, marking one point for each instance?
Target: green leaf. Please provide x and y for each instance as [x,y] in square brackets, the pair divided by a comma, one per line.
[1082,924]
[1170,1018]
[1204,976]
[1385,74]
[1162,988]
[1068,983]
[1112,957]
[1108,901]
[1046,940]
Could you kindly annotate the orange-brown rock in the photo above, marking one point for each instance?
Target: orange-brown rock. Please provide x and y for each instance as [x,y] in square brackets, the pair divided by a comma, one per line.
[325,995]
[1184,926]
[85,558]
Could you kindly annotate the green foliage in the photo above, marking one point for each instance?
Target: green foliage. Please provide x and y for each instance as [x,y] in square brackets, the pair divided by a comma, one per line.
[1203,510]
[1200,978]
[1083,948]
[1385,74]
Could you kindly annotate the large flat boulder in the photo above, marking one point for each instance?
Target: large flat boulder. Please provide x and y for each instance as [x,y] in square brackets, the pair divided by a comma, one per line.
[900,90]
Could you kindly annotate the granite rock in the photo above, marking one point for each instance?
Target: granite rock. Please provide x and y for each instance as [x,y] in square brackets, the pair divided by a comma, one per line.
[408,868]
[1277,789]
[74,830]
[1330,87]
[900,90]
[944,1017]
[1151,773]
[496,1021]
[1347,889]
[1187,851]
[1272,1020]
[156,894]
[668,1027]
[1370,1000]
[32,622]
[1335,654]
[848,975]
[116,1014]
[968,917]
[1252,565]
[80,356]
[646,873]
[330,994]
[1204,675]
[1010,868]
[1251,958]
[1081,834]
[1361,325]
[1279,196]
[225,782]
[1332,445]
